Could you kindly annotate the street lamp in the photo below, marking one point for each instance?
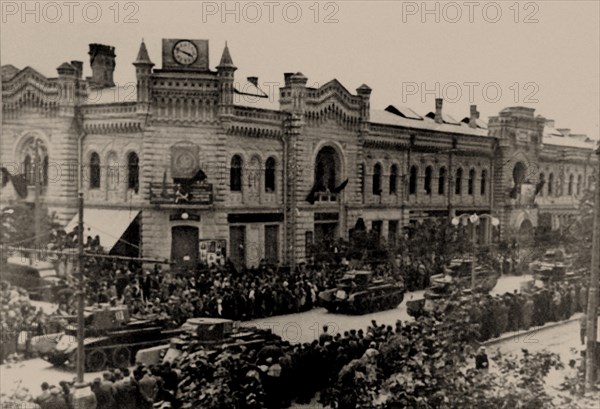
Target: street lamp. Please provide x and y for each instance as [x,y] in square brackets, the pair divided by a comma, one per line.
[474,220]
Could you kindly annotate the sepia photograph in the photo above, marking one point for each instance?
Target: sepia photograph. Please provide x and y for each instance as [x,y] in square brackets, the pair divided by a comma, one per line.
[311,204]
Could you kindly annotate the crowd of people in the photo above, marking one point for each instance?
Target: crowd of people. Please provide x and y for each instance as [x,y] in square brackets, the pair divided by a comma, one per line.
[17,314]
[511,312]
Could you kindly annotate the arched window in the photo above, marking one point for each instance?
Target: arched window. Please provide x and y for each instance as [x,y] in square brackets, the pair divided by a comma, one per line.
[412,182]
[45,171]
[393,179]
[327,169]
[550,184]
[377,179]
[442,181]
[270,175]
[483,186]
[458,184]
[28,170]
[542,180]
[579,183]
[94,171]
[570,187]
[133,172]
[427,182]
[471,182]
[235,174]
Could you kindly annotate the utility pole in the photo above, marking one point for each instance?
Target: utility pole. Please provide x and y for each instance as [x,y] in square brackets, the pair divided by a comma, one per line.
[37,192]
[592,307]
[80,295]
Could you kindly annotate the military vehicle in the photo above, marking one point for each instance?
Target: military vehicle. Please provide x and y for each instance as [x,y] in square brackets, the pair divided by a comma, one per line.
[457,276]
[552,267]
[112,337]
[360,292]
[213,334]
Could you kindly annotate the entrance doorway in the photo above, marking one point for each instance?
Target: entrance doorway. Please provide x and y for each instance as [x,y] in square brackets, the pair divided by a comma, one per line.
[184,246]
[271,244]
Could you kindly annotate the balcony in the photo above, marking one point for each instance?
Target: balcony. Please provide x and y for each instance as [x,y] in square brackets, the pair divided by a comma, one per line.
[325,197]
[173,194]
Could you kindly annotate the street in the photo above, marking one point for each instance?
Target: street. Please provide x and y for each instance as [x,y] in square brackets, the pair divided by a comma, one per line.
[297,328]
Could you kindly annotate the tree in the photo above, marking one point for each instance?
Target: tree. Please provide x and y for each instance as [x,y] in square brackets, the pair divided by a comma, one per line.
[17,228]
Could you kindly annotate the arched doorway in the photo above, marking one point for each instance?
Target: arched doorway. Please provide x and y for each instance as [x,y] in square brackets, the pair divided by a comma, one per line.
[526,232]
[185,246]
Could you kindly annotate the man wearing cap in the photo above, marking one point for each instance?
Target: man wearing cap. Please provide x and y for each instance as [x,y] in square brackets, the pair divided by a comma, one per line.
[105,392]
[56,400]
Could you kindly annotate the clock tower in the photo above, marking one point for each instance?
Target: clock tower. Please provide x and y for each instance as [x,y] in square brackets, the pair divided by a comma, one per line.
[184,55]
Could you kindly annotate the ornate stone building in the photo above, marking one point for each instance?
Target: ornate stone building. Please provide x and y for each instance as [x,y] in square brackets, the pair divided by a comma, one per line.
[190,163]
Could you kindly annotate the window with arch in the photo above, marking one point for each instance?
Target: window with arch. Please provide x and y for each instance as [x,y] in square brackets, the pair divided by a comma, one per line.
[377,179]
[579,183]
[427,181]
[458,184]
[570,186]
[483,183]
[393,179]
[442,181]
[412,181]
[471,182]
[270,175]
[235,174]
[550,184]
[94,171]
[133,172]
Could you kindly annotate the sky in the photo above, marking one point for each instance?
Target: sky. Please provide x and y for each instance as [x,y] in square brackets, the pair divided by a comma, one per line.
[542,54]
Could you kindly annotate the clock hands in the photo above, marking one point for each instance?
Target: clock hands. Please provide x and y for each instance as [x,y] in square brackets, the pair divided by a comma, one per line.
[186,53]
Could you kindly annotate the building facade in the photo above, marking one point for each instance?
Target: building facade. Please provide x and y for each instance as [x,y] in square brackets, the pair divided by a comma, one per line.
[193,164]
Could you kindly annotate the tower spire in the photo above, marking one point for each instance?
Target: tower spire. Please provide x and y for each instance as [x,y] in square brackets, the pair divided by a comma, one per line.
[143,57]
[226,61]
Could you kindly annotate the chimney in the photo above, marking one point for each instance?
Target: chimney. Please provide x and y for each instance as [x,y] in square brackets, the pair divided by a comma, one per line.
[102,61]
[253,81]
[438,110]
[286,78]
[474,116]
[564,131]
[78,65]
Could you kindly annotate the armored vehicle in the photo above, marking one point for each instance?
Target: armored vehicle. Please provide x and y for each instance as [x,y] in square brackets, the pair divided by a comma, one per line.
[457,276]
[552,266]
[213,334]
[360,292]
[112,337]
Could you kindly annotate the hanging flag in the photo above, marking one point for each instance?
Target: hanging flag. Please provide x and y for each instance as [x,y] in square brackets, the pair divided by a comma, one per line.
[539,186]
[340,187]
[164,185]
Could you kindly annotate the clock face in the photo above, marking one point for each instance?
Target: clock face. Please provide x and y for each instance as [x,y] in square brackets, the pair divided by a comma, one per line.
[185,52]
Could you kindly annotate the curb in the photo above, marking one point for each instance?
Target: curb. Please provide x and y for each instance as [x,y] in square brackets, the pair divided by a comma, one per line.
[509,335]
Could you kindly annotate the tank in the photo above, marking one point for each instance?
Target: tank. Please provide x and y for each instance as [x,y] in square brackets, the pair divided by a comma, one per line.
[457,276]
[112,338]
[212,334]
[360,292]
[552,266]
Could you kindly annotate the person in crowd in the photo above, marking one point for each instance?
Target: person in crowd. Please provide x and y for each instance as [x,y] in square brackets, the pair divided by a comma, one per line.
[44,396]
[56,400]
[481,359]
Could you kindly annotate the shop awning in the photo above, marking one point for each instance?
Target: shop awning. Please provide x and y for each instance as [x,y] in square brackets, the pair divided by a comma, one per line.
[108,224]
